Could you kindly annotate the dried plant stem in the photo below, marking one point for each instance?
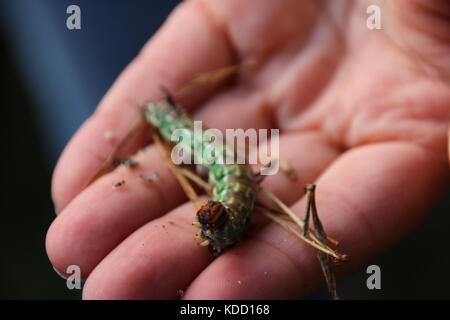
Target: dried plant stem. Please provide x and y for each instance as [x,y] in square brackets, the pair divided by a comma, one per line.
[299,235]
[188,189]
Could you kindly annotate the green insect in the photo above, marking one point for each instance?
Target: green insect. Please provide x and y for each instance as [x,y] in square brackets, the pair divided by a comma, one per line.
[234,188]
[224,219]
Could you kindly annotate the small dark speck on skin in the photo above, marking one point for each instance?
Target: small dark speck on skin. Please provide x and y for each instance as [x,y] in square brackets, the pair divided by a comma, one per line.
[118,184]
[164,226]
[180,292]
[172,223]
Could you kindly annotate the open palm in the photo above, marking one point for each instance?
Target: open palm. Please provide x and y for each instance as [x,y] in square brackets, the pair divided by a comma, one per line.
[362,113]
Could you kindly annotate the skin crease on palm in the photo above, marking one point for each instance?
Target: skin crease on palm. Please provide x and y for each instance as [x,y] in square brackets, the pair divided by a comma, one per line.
[363,113]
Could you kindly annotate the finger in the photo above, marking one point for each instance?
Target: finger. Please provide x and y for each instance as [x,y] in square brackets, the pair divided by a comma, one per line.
[153,263]
[172,57]
[101,217]
[367,199]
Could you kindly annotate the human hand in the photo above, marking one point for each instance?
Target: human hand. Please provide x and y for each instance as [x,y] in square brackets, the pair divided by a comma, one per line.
[363,113]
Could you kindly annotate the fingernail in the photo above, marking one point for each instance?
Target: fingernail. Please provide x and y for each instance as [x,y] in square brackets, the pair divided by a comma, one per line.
[56,211]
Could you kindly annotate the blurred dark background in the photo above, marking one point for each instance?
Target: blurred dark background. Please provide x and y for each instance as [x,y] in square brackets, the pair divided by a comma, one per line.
[52,79]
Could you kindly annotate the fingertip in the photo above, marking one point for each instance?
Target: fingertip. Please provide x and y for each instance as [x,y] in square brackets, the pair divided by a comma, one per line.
[243,273]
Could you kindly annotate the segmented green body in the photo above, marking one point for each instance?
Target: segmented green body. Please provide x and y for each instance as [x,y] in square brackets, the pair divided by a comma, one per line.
[234,185]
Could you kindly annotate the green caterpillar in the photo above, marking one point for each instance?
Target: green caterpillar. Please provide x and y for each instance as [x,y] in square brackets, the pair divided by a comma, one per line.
[222,220]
